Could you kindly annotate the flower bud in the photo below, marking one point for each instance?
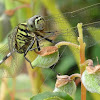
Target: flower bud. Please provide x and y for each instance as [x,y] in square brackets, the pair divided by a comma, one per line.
[91,79]
[65,84]
[46,57]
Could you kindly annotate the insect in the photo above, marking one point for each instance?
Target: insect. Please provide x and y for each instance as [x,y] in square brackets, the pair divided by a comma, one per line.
[25,35]
[49,28]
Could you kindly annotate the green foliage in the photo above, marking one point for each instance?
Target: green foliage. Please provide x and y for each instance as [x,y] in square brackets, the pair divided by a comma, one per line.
[52,96]
[65,64]
[91,81]
[46,61]
[69,88]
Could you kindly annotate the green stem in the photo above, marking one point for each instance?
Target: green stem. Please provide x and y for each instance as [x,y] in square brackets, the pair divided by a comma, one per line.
[82,58]
[73,76]
[66,43]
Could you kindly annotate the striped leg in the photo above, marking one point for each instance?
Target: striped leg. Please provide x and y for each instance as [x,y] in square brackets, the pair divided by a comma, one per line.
[47,39]
[35,48]
[28,49]
[7,56]
[38,46]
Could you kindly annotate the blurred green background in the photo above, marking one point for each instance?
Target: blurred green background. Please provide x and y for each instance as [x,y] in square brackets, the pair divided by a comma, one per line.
[31,82]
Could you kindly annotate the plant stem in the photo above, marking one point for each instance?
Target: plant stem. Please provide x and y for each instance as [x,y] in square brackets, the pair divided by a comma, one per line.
[82,58]
[73,76]
[36,79]
[14,89]
[3,89]
[66,43]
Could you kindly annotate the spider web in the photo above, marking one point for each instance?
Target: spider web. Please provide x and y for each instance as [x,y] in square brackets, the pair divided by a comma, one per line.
[60,32]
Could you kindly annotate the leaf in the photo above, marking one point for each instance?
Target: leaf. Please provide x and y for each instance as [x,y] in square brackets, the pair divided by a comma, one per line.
[52,96]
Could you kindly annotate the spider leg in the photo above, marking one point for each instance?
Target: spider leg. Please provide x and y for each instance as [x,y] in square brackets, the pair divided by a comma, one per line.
[37,43]
[47,39]
[28,49]
[7,56]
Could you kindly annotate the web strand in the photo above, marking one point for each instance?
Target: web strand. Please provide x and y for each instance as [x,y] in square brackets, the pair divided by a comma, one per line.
[53,66]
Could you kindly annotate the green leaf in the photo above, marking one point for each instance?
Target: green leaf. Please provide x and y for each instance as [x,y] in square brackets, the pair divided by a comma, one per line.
[46,61]
[52,96]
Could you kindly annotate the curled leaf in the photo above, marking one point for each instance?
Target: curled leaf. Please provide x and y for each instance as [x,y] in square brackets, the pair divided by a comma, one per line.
[64,79]
[66,84]
[47,50]
[90,69]
[47,57]
[93,70]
